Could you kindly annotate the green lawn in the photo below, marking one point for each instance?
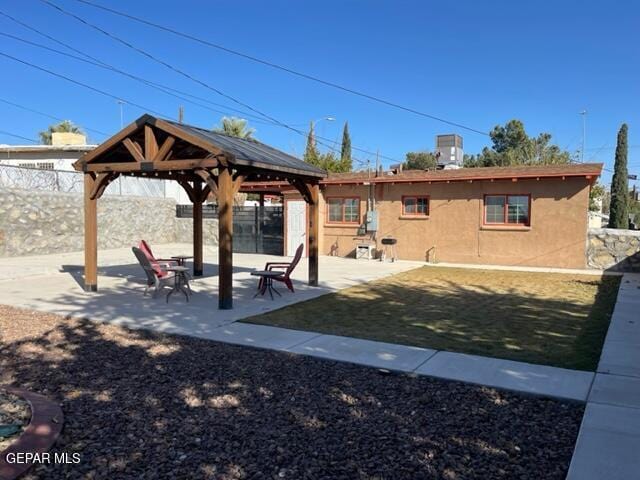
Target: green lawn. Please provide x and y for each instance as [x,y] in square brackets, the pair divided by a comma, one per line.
[547,318]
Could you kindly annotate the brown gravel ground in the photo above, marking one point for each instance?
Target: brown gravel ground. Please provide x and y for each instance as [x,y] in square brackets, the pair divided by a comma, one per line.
[13,411]
[140,405]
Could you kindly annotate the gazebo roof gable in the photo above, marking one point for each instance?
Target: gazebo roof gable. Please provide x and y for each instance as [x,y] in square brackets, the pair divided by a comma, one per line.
[155,144]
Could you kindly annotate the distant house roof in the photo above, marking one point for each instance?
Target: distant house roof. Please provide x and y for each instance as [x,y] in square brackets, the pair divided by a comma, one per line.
[4,148]
[589,170]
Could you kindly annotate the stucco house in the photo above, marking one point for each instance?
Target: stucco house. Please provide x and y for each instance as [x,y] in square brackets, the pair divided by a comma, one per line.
[524,215]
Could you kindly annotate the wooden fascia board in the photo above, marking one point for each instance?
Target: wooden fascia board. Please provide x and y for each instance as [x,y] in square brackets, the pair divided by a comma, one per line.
[184,164]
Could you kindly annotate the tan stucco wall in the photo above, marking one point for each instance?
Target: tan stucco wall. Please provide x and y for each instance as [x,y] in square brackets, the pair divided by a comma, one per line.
[454,230]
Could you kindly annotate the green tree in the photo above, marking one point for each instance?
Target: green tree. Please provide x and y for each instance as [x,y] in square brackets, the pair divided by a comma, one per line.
[66,126]
[420,161]
[512,146]
[311,154]
[326,161]
[235,127]
[596,197]
[619,209]
[345,150]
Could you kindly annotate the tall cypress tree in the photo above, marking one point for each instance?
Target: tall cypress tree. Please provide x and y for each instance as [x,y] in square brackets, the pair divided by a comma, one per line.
[345,151]
[619,209]
[311,154]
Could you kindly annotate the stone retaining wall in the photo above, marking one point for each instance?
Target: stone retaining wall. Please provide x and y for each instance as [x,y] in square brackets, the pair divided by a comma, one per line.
[34,223]
[612,249]
[184,231]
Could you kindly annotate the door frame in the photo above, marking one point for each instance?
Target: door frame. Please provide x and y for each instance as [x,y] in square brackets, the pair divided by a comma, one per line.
[286,224]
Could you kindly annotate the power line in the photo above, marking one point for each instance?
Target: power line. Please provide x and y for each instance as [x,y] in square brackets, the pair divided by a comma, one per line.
[282,68]
[76,82]
[158,86]
[163,88]
[99,63]
[17,105]
[180,71]
[3,132]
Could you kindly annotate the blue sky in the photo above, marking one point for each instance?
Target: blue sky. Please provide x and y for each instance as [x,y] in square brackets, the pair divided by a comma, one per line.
[474,63]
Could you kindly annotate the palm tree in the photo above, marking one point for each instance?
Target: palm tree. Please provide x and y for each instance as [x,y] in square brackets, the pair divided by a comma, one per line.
[66,126]
[235,127]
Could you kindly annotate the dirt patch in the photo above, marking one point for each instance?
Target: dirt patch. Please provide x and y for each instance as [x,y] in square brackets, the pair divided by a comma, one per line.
[141,405]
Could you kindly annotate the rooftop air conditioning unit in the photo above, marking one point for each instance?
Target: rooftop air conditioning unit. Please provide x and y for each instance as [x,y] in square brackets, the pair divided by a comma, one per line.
[449,150]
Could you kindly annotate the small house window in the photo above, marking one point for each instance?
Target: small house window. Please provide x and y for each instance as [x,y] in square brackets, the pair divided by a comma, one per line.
[415,206]
[507,209]
[343,210]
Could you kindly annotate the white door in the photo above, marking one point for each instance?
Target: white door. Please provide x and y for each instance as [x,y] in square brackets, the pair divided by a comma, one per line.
[296,226]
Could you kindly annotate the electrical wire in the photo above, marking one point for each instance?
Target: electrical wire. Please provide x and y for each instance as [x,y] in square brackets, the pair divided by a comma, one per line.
[76,82]
[184,74]
[282,68]
[53,117]
[3,132]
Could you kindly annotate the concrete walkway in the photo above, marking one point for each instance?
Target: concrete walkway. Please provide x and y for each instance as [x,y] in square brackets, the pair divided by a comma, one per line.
[510,375]
[53,284]
[608,445]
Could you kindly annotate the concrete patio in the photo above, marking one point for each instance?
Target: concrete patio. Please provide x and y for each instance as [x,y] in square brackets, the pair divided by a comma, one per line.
[53,283]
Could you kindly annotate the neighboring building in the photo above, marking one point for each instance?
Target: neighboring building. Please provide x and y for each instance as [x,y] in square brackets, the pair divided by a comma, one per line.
[65,149]
[55,163]
[526,215]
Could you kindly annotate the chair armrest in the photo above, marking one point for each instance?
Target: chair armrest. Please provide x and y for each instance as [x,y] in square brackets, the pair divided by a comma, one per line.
[166,260]
[271,265]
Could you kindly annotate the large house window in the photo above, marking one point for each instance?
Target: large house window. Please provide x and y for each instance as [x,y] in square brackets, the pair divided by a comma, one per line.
[507,210]
[415,206]
[343,210]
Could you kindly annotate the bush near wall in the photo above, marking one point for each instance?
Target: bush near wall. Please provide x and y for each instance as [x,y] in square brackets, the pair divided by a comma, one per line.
[612,249]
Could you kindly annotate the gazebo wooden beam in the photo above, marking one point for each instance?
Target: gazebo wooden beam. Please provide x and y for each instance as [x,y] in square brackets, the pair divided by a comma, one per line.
[134,149]
[314,222]
[225,239]
[90,235]
[173,164]
[198,263]
[150,144]
[100,184]
[165,150]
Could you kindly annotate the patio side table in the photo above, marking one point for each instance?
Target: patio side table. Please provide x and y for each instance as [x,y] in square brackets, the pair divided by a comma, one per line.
[181,259]
[267,281]
[180,280]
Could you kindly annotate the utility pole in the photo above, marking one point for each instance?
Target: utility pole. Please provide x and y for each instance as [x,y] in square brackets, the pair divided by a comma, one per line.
[180,114]
[121,103]
[584,133]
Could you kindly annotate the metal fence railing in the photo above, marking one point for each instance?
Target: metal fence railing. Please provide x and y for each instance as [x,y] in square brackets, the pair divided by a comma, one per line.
[68,181]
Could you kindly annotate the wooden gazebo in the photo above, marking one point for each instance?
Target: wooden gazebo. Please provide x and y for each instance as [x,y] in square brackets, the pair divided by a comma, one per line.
[202,162]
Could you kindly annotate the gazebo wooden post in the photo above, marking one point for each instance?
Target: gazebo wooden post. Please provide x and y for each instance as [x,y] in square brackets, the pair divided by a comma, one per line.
[225,239]
[197,229]
[314,220]
[90,235]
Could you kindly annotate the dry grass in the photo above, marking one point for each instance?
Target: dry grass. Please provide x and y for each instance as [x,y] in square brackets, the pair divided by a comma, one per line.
[553,319]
